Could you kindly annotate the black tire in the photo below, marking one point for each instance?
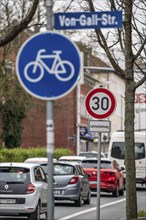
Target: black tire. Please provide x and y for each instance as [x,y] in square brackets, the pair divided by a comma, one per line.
[121,192]
[78,202]
[116,192]
[88,200]
[35,215]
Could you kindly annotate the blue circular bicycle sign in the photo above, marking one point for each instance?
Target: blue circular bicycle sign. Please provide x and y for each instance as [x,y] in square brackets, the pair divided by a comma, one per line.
[48,65]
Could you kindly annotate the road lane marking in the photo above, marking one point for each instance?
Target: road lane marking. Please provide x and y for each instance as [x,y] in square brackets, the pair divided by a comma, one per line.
[90,210]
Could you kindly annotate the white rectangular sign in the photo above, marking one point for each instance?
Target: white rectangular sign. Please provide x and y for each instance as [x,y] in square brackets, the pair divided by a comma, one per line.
[100,126]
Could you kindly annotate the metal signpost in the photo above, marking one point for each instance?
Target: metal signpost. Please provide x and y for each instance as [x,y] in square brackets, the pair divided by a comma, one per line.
[100,103]
[85,20]
[50,127]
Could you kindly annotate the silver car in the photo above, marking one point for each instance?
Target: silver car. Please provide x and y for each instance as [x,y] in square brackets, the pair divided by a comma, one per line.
[71,183]
[23,190]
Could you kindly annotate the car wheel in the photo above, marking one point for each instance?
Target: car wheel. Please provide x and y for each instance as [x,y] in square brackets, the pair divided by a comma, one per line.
[79,201]
[121,192]
[116,192]
[88,200]
[35,215]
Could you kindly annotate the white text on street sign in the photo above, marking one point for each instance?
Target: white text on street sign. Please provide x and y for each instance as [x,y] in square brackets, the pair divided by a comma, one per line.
[84,20]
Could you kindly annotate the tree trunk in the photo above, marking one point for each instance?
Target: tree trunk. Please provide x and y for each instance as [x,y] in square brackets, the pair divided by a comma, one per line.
[131,199]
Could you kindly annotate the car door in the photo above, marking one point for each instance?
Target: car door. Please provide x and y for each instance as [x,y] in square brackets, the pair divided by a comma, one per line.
[42,184]
[118,174]
[84,180]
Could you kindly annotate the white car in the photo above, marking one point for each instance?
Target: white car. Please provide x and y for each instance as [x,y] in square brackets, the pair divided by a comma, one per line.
[91,154]
[38,160]
[43,161]
[71,159]
[23,190]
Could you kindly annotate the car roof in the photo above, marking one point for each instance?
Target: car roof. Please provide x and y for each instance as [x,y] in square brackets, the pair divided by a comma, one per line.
[38,160]
[91,152]
[17,164]
[71,158]
[95,159]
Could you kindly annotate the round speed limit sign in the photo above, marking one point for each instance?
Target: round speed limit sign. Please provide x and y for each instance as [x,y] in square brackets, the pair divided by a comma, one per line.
[100,103]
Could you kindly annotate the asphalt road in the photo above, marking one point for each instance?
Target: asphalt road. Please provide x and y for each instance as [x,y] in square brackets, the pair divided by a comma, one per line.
[110,208]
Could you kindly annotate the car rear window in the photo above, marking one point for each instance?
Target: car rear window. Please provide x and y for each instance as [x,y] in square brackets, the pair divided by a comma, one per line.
[61,169]
[14,173]
[45,167]
[89,164]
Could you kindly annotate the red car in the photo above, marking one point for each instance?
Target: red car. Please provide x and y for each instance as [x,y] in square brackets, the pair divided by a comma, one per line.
[111,177]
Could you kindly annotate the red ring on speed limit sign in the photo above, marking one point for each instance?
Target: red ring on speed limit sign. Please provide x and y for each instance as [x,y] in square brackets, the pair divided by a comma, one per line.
[103,101]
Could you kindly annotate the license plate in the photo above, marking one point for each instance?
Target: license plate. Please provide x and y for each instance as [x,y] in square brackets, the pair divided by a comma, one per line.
[7,201]
[57,192]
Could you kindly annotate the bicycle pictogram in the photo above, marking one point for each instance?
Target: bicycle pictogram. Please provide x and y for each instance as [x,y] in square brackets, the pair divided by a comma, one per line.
[62,69]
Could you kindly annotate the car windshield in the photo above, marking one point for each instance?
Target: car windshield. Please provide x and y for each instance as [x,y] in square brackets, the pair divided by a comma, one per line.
[94,164]
[61,169]
[13,174]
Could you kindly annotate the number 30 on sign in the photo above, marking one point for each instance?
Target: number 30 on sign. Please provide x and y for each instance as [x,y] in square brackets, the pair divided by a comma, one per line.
[100,103]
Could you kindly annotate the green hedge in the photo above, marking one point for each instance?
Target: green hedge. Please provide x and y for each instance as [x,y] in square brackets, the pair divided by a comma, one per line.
[142,213]
[20,154]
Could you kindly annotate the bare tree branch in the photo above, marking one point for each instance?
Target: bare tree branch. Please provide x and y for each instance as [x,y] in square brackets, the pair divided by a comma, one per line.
[18,28]
[140,49]
[103,43]
[140,82]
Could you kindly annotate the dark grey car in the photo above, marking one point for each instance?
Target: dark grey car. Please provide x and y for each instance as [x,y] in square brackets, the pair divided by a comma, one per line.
[71,183]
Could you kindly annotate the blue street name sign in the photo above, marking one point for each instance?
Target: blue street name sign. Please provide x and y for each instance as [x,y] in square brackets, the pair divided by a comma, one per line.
[48,65]
[85,20]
